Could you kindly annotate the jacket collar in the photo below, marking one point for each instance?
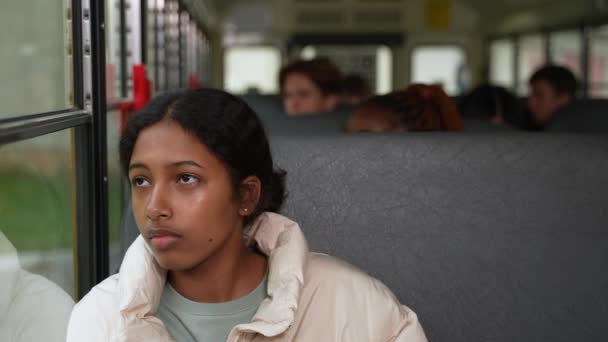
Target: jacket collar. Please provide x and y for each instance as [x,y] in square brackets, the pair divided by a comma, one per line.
[142,280]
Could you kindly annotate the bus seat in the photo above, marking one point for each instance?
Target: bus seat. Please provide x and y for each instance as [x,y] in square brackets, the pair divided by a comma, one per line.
[488,238]
[477,125]
[264,103]
[582,116]
[330,123]
[276,122]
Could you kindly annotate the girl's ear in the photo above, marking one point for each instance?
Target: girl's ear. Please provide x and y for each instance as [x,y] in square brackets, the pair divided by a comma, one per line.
[250,191]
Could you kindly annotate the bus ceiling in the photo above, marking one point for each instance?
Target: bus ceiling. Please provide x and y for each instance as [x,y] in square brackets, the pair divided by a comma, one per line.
[277,19]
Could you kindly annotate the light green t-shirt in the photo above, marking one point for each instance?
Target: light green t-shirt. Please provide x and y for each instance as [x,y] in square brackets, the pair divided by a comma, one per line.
[189,321]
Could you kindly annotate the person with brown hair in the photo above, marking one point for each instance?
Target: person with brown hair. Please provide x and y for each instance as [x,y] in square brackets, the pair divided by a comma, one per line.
[310,87]
[418,108]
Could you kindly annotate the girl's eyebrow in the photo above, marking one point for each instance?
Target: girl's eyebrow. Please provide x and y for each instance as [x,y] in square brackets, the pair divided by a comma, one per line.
[187,163]
[138,165]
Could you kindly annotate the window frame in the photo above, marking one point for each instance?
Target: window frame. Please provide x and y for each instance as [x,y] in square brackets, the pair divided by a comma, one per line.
[584,28]
[87,120]
[514,52]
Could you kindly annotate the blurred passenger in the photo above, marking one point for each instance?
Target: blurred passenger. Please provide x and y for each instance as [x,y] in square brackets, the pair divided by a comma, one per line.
[32,308]
[310,87]
[551,88]
[418,108]
[355,89]
[492,104]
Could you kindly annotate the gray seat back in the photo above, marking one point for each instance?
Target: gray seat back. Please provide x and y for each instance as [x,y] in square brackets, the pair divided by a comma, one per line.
[485,126]
[487,238]
[276,122]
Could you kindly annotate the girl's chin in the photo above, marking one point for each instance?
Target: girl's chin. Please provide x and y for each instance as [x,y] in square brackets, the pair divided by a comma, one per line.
[173,264]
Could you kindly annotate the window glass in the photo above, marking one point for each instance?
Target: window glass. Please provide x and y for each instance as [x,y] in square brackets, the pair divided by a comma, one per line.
[531,56]
[442,64]
[36,237]
[252,68]
[308,52]
[502,63]
[35,69]
[36,204]
[372,62]
[566,49]
[598,63]
[384,70]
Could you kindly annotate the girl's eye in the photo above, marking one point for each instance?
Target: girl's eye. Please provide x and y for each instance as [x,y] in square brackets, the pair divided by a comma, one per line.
[187,179]
[139,182]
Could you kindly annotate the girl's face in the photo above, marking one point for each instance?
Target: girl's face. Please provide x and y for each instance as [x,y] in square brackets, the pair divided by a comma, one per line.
[182,196]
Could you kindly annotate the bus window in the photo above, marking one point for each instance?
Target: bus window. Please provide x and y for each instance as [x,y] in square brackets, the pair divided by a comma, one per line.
[252,68]
[384,70]
[598,63]
[502,63]
[372,62]
[37,209]
[308,52]
[440,64]
[531,56]
[566,49]
[35,67]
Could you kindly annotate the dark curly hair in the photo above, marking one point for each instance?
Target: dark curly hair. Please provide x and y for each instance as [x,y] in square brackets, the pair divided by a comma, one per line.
[418,108]
[228,127]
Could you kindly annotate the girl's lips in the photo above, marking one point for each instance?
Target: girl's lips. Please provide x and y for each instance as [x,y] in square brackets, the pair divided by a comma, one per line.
[162,240]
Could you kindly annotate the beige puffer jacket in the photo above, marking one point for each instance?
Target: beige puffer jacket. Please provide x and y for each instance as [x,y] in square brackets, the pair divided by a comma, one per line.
[311,297]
